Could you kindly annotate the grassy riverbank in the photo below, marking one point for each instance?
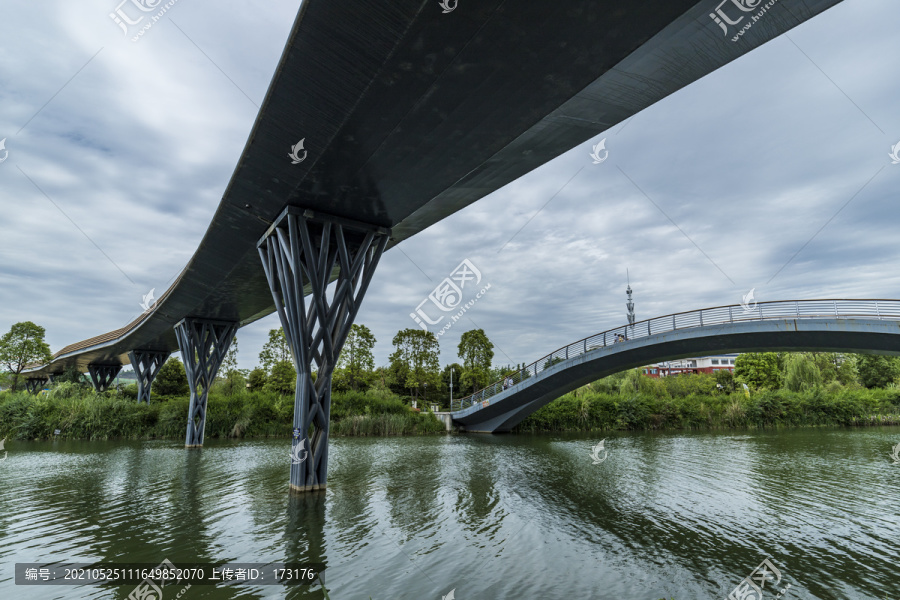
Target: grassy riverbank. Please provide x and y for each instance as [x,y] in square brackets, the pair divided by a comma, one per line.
[609,404]
[83,414]
[593,408]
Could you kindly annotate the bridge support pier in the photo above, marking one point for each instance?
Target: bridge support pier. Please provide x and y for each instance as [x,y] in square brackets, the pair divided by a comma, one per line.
[102,376]
[33,384]
[146,364]
[203,344]
[302,249]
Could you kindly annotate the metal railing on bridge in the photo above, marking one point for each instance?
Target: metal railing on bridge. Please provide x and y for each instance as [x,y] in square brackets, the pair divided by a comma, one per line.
[719,315]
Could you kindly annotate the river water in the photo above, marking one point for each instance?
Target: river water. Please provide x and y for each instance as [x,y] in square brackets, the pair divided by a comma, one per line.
[683,515]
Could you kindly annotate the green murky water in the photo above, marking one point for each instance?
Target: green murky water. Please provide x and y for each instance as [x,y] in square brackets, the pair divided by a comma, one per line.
[676,515]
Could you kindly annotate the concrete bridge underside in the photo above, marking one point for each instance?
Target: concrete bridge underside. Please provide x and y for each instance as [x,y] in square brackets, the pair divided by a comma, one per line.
[510,407]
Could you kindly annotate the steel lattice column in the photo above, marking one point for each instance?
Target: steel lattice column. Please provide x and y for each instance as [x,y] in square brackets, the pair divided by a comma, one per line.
[33,384]
[203,343]
[147,364]
[103,375]
[300,253]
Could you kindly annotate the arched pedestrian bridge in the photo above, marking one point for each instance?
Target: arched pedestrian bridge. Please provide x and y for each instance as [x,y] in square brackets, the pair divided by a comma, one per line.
[862,326]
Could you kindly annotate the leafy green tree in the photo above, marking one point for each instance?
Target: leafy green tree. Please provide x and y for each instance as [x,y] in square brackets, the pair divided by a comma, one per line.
[758,370]
[234,383]
[801,372]
[725,378]
[22,345]
[257,379]
[415,360]
[445,383]
[476,352]
[171,379]
[635,382]
[846,372]
[283,378]
[356,360]
[229,363]
[275,350]
[71,374]
[876,370]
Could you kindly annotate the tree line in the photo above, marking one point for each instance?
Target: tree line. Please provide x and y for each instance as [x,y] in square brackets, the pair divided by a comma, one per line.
[414,369]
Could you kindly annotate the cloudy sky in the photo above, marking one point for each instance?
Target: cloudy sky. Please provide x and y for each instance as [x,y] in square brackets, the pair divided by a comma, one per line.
[772,173]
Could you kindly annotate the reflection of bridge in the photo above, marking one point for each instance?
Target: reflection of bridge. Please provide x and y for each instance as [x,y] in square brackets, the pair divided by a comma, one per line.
[408,115]
[865,326]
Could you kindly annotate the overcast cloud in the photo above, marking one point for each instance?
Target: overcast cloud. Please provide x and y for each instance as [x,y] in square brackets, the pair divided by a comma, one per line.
[113,178]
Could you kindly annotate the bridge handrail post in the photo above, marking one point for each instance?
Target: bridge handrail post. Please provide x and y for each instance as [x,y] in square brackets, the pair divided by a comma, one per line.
[835,308]
[730,315]
[604,339]
[648,328]
[797,302]
[585,345]
[701,318]
[673,323]
[567,353]
[759,308]
[877,312]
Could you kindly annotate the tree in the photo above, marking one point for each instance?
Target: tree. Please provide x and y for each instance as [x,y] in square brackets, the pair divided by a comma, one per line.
[229,363]
[476,352]
[415,360]
[356,359]
[801,372]
[274,351]
[445,381]
[758,370]
[71,374]
[847,373]
[257,379]
[725,378]
[876,370]
[171,379]
[22,345]
[283,378]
